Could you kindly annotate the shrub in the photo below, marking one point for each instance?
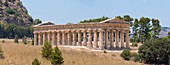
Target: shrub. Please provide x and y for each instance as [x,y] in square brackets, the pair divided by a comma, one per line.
[36,62]
[47,50]
[1,53]
[105,51]
[133,54]
[135,44]
[32,41]
[16,39]
[125,54]
[9,10]
[24,40]
[56,57]
[3,41]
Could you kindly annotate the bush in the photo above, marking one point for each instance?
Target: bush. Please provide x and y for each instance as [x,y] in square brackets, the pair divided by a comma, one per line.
[9,10]
[135,44]
[133,54]
[56,57]
[24,40]
[3,41]
[16,39]
[1,53]
[105,51]
[155,51]
[47,50]
[32,41]
[36,62]
[125,54]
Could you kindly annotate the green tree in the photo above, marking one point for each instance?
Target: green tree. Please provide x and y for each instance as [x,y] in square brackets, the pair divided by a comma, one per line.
[156,28]
[36,62]
[56,57]
[128,19]
[47,50]
[155,51]
[95,20]
[37,21]
[16,39]
[24,40]
[125,54]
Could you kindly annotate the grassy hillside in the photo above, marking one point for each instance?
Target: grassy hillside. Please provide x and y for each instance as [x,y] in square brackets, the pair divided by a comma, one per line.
[19,54]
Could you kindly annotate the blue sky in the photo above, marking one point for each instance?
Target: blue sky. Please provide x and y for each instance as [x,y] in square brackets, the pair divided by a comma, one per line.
[64,11]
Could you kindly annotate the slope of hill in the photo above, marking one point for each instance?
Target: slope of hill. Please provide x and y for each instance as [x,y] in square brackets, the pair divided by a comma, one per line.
[13,11]
[164,31]
[19,54]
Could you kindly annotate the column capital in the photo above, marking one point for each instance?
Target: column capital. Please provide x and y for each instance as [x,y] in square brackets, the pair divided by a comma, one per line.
[85,30]
[79,30]
[95,30]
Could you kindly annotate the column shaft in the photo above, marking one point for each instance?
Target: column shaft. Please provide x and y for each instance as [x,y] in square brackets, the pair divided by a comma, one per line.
[117,39]
[90,39]
[35,39]
[69,38]
[79,38]
[106,39]
[59,38]
[74,38]
[111,39]
[63,38]
[49,37]
[101,39]
[84,38]
[40,39]
[54,38]
[127,39]
[95,45]
[44,37]
[122,39]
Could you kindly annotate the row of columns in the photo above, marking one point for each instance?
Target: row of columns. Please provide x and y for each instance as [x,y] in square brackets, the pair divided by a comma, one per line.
[96,38]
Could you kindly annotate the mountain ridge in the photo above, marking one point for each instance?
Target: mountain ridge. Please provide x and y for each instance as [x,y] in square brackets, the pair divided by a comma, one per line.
[13,11]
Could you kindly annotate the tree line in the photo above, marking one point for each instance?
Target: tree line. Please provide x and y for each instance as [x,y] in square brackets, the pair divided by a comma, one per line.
[9,30]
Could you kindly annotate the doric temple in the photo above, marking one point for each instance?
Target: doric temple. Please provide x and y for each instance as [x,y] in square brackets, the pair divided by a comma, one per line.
[109,34]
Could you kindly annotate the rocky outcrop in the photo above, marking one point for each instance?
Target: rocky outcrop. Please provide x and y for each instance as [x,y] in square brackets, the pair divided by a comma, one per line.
[13,11]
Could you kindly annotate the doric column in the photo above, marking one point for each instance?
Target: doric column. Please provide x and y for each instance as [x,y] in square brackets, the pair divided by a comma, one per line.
[122,39]
[40,38]
[35,38]
[79,37]
[49,36]
[69,38]
[44,37]
[63,38]
[111,39]
[84,38]
[127,39]
[117,39]
[74,38]
[106,39]
[59,37]
[95,45]
[54,38]
[89,38]
[101,39]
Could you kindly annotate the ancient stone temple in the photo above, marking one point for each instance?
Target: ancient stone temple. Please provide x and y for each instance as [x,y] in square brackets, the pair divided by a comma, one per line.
[109,34]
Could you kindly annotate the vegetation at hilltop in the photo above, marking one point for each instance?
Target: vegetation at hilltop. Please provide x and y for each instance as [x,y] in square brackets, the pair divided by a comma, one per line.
[94,20]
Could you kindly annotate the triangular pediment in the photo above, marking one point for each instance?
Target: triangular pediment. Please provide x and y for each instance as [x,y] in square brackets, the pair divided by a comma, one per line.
[114,20]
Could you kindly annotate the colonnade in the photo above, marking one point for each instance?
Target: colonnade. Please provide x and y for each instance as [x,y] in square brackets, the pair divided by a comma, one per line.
[92,38]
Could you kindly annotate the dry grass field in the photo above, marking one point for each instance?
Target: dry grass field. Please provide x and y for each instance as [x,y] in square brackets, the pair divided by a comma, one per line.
[20,54]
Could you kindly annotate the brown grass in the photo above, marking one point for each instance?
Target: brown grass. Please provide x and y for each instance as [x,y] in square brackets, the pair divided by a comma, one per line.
[19,54]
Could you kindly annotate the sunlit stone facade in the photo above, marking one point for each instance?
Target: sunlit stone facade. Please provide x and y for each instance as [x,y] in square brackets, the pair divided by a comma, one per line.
[108,34]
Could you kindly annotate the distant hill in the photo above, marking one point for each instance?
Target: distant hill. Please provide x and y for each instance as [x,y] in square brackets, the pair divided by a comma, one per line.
[13,11]
[164,31]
